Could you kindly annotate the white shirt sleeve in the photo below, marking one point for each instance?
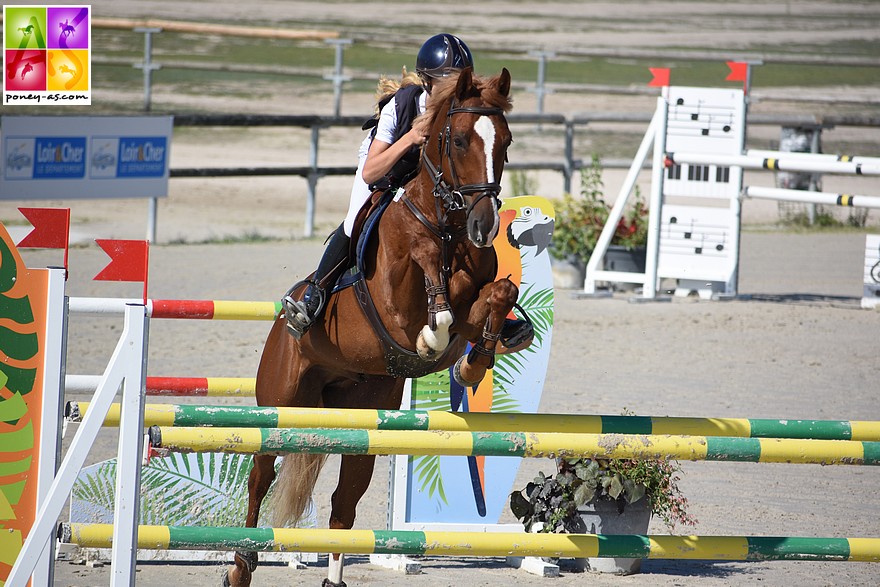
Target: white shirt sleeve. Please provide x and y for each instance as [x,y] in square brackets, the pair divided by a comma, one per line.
[387,122]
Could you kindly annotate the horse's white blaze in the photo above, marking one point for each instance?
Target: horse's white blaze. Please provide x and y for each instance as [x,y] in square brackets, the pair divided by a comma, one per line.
[485,128]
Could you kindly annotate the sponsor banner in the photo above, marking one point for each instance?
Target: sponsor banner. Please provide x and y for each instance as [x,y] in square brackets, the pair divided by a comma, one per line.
[84,157]
[47,55]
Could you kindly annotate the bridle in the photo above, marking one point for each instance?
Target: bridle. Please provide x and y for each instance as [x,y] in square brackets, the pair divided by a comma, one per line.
[452,198]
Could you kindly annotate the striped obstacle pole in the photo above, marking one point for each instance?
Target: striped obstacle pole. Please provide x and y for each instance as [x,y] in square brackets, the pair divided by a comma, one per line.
[408,542]
[180,309]
[369,419]
[174,386]
[279,441]
[824,198]
[781,161]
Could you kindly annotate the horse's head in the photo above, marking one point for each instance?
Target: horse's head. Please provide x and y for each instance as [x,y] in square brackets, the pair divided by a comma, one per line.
[467,148]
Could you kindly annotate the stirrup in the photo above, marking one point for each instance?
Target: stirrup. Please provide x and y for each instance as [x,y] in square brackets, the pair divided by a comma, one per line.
[516,332]
[297,314]
[299,317]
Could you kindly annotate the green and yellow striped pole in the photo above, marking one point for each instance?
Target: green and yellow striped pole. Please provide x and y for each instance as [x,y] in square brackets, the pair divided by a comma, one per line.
[271,417]
[729,548]
[280,441]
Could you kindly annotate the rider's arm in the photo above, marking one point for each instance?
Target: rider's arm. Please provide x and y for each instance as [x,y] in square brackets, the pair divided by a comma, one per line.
[384,152]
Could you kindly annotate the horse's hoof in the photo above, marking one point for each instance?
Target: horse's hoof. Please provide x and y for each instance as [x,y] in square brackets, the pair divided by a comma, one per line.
[329,583]
[425,350]
[459,378]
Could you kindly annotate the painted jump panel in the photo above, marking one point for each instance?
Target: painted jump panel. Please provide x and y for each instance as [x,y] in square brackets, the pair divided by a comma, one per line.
[408,542]
[272,417]
[279,441]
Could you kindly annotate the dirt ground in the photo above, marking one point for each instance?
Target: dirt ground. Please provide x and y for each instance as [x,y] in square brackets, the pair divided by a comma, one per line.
[794,345]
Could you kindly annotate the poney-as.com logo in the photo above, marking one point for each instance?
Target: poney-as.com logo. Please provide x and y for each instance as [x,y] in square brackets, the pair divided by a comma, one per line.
[46,55]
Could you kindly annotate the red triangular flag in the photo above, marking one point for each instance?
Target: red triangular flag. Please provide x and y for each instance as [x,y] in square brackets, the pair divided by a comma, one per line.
[128,260]
[661,76]
[51,228]
[739,71]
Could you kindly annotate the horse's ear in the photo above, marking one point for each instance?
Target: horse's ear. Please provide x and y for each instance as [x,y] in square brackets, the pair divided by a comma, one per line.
[504,82]
[465,84]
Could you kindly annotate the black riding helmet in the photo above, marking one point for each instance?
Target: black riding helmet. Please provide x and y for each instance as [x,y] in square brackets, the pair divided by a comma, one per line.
[442,55]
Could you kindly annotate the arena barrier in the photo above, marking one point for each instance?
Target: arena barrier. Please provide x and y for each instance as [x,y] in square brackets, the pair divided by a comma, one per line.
[279,441]
[174,386]
[368,419]
[409,542]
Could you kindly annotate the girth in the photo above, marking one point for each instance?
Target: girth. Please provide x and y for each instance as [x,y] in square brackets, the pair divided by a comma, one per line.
[399,362]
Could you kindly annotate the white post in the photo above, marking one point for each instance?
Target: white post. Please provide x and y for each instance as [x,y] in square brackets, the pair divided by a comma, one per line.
[656,202]
[52,407]
[592,274]
[130,454]
[127,357]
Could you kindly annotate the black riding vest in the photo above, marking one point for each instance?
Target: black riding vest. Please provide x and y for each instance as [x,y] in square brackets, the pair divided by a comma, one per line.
[406,104]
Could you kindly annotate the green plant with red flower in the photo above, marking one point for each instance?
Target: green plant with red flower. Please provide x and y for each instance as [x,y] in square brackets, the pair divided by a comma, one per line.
[580,219]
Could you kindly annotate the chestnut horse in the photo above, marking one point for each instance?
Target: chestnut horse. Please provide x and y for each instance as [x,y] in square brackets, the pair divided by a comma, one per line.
[430,281]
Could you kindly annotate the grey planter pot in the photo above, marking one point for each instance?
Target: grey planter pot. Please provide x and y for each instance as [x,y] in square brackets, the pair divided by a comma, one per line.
[601,517]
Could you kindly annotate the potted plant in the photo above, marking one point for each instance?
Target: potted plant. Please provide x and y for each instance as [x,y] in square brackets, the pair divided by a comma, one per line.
[603,496]
[580,220]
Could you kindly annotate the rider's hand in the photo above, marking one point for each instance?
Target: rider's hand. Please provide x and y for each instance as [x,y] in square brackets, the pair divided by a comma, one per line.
[418,134]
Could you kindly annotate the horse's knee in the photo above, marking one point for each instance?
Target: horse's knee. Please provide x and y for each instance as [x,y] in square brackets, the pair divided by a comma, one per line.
[504,293]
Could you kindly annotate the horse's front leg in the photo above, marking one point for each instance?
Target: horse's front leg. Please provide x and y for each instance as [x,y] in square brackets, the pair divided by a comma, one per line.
[489,312]
[434,336]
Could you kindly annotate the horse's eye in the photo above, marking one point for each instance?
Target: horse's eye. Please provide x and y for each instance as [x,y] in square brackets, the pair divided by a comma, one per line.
[458,142]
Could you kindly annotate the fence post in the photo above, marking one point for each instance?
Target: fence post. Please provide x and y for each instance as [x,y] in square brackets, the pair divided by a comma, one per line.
[568,170]
[337,76]
[148,66]
[312,181]
[540,90]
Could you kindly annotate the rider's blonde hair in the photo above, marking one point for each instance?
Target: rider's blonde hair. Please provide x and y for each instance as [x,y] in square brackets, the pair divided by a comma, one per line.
[388,87]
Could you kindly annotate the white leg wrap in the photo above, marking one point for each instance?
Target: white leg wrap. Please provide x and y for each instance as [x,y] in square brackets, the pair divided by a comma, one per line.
[334,569]
[438,339]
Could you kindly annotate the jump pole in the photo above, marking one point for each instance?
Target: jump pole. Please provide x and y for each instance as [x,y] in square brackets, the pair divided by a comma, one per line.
[280,441]
[409,542]
[367,419]
[180,309]
[174,386]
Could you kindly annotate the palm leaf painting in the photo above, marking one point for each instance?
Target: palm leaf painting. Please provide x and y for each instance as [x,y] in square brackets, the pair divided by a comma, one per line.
[196,489]
[431,392]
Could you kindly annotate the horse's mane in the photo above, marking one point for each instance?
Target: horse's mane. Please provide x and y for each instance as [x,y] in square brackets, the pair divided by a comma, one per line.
[485,88]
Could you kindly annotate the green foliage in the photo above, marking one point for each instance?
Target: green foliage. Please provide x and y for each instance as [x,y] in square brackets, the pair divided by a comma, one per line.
[580,219]
[553,501]
[522,184]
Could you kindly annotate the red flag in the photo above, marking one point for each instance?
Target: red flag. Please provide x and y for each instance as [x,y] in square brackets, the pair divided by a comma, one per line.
[128,260]
[51,228]
[739,71]
[661,76]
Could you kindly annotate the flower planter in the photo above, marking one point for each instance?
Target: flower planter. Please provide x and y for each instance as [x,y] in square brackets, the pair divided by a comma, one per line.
[600,516]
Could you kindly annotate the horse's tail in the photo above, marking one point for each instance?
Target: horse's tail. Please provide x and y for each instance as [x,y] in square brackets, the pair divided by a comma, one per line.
[294,486]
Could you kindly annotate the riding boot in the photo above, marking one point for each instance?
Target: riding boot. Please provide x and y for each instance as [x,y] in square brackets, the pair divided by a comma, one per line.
[301,314]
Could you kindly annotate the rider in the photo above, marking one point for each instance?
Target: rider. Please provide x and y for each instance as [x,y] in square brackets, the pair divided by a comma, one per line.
[387,158]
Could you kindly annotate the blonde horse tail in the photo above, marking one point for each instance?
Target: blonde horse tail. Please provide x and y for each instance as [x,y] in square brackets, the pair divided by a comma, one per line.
[294,486]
